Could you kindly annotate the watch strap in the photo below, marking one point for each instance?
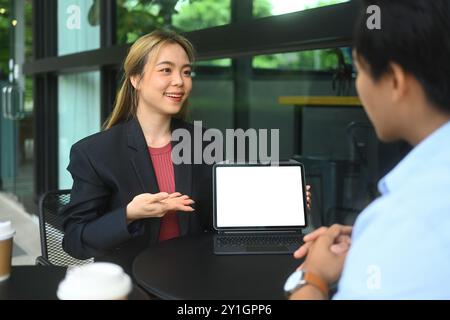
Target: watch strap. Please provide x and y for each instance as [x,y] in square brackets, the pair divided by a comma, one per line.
[316,281]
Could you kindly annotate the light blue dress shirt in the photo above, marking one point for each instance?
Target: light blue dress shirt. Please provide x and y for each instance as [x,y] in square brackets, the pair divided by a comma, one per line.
[401,241]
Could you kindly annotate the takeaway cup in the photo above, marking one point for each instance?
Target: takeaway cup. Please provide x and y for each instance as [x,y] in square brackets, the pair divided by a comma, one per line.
[95,281]
[6,244]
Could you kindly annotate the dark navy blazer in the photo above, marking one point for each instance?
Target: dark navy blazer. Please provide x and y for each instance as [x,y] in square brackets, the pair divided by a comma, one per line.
[109,169]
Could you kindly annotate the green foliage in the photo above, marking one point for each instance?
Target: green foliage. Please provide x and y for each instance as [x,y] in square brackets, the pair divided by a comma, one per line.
[321,3]
[262,8]
[312,60]
[5,33]
[28,30]
[305,60]
[138,17]
[195,15]
[215,62]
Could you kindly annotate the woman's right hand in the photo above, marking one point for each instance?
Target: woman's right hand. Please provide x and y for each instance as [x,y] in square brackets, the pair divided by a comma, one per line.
[147,205]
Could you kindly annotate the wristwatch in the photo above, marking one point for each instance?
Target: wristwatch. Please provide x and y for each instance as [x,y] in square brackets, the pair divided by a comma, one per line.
[300,278]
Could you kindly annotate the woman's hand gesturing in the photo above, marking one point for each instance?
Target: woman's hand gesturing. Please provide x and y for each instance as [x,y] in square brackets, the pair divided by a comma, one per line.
[147,205]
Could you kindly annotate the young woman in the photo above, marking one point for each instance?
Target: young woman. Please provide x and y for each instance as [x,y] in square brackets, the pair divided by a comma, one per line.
[127,193]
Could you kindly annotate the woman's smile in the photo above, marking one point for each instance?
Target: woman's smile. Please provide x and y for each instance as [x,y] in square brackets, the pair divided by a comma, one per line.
[174,96]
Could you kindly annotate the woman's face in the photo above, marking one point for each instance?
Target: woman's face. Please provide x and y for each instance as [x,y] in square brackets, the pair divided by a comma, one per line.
[167,82]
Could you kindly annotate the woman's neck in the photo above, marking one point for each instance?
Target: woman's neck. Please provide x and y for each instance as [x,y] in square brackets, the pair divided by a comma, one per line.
[156,127]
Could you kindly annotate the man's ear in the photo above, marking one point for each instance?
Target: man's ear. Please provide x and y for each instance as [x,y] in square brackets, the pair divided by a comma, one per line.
[399,81]
[135,81]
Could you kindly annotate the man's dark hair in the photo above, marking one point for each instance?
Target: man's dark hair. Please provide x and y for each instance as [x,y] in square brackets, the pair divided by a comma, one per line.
[415,34]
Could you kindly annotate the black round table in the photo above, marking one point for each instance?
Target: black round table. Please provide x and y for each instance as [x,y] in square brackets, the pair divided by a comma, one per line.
[187,268]
[32,283]
[41,283]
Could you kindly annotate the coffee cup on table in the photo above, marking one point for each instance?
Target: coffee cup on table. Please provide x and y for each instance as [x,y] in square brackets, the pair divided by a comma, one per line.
[95,281]
[6,245]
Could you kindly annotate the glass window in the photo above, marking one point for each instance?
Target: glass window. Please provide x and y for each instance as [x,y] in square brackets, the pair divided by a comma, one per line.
[214,63]
[265,8]
[17,143]
[311,60]
[78,115]
[310,97]
[318,73]
[211,100]
[138,17]
[78,26]
[16,103]
[28,13]
[4,36]
[16,30]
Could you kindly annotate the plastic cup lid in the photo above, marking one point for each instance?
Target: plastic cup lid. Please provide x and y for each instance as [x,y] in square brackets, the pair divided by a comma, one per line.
[95,281]
[6,230]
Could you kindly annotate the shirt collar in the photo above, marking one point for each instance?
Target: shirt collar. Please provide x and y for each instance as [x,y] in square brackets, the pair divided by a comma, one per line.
[430,149]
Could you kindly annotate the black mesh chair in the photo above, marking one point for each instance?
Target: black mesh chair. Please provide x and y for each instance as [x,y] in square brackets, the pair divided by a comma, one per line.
[52,233]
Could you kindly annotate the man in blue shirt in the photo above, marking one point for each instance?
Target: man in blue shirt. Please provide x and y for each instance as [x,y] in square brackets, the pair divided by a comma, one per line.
[399,247]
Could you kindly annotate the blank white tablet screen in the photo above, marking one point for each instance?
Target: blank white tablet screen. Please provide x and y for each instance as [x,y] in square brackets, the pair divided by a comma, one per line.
[259,196]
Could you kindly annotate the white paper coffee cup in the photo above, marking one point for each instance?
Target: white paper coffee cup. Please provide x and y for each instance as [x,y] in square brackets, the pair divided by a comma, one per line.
[6,244]
[95,281]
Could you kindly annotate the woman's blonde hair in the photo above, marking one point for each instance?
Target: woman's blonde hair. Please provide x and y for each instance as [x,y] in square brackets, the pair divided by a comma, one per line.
[140,52]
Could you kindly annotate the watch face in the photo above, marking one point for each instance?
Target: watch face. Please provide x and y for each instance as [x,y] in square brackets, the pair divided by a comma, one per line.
[293,281]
